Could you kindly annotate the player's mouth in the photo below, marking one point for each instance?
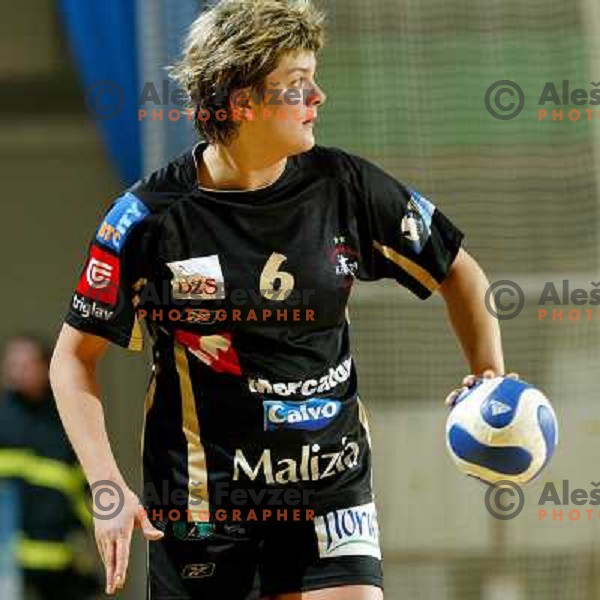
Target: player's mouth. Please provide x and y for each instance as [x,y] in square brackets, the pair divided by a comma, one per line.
[310,122]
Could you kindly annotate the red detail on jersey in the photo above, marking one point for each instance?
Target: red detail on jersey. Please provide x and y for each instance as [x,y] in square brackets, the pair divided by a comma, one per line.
[215,351]
[345,259]
[100,280]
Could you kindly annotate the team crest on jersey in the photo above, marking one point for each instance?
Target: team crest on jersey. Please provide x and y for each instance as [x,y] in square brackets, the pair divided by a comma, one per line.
[345,259]
[100,281]
[120,221]
[215,351]
[199,278]
[416,224]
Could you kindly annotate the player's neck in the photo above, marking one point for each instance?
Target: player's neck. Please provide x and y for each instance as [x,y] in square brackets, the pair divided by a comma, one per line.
[220,168]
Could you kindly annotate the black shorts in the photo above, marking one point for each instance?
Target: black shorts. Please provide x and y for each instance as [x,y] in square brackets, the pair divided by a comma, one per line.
[250,561]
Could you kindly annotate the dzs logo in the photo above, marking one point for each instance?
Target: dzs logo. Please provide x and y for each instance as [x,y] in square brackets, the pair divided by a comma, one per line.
[198,278]
[349,532]
[312,415]
[120,220]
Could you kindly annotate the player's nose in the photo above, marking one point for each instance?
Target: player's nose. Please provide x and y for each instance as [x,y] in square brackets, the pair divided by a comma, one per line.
[317,97]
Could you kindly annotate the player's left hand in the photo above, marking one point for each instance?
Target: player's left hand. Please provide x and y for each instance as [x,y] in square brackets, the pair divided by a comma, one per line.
[470,380]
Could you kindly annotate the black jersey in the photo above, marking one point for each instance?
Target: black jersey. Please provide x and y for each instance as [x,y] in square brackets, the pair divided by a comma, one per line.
[244,297]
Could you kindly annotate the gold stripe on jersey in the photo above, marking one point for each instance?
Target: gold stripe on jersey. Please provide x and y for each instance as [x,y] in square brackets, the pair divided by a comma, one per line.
[136,339]
[411,267]
[148,404]
[198,504]
[364,419]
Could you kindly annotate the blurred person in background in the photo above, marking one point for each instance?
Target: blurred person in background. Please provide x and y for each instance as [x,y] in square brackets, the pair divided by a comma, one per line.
[36,455]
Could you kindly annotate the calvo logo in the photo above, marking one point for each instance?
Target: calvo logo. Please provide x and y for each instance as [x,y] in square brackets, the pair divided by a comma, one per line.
[312,415]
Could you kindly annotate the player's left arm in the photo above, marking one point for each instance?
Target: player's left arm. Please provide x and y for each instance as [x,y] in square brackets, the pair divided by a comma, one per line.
[478,332]
[404,236]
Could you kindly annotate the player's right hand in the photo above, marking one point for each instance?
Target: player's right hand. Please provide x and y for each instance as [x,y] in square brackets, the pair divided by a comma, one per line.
[470,380]
[113,538]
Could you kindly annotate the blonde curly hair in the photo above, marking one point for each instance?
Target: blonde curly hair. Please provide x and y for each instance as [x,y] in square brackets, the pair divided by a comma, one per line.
[236,44]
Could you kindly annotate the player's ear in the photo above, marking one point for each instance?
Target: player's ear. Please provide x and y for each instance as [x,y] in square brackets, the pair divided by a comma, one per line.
[242,102]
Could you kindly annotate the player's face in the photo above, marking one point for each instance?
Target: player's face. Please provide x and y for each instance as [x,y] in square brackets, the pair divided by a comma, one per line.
[288,113]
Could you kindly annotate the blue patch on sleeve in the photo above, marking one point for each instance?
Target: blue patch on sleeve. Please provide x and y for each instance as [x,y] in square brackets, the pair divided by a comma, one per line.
[416,224]
[120,221]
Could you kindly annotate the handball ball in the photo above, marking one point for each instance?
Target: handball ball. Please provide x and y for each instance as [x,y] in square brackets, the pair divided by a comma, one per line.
[502,429]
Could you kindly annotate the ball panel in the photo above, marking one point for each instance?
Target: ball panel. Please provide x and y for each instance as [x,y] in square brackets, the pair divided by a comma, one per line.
[506,460]
[547,422]
[499,408]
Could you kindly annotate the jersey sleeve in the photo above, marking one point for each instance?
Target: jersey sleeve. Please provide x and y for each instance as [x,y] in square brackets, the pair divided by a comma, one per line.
[403,236]
[103,302]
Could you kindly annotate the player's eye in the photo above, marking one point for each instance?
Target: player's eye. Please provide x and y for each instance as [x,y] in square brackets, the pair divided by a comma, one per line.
[300,82]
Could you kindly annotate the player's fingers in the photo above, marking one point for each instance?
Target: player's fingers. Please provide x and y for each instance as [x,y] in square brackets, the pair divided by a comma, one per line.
[122,558]
[109,564]
[450,400]
[469,380]
[148,530]
[513,375]
[489,374]
[100,546]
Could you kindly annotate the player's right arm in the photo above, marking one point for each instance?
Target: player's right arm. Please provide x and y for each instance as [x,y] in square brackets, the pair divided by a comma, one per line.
[102,311]
[73,377]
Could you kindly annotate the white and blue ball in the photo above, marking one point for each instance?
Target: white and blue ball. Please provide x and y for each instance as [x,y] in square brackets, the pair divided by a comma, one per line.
[502,429]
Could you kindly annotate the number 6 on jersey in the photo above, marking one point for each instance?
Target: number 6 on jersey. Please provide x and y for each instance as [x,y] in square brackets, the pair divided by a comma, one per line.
[271,275]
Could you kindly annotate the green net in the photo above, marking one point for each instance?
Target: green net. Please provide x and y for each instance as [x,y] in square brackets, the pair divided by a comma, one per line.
[406,83]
